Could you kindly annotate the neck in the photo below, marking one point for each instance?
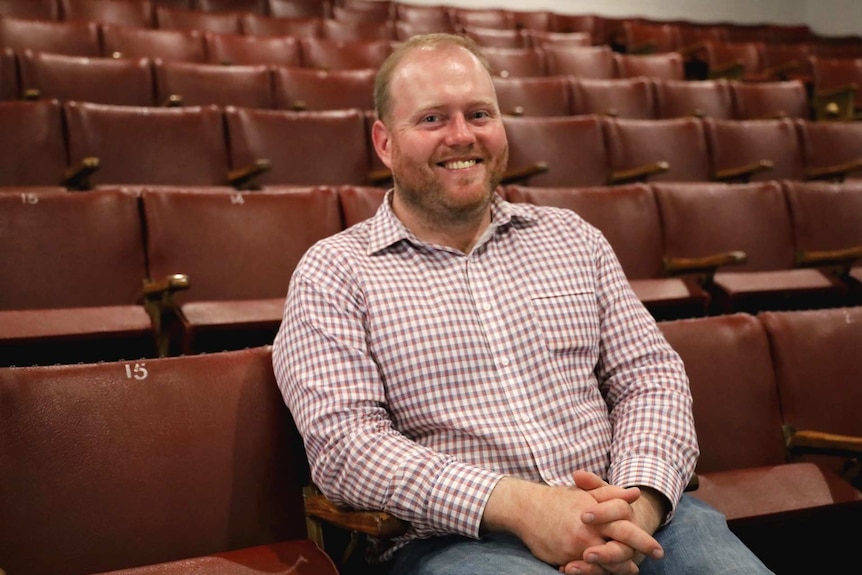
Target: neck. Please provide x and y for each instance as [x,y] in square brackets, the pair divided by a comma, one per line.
[460,231]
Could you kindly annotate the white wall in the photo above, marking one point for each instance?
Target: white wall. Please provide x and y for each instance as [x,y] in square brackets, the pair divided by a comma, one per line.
[828,17]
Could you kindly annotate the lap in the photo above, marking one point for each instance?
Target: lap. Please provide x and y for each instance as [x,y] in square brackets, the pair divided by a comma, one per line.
[696,542]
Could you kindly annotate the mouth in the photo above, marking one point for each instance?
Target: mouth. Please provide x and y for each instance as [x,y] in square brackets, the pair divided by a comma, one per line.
[456,165]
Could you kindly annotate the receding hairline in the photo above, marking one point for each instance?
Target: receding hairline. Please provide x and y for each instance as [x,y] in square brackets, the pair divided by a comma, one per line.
[437,41]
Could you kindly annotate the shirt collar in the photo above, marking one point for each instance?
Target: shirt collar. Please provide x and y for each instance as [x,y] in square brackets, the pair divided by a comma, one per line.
[386,229]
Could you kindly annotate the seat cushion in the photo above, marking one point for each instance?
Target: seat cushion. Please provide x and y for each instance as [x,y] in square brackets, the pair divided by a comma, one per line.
[300,557]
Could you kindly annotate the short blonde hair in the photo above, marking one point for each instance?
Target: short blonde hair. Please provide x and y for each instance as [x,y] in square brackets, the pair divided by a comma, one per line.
[382,94]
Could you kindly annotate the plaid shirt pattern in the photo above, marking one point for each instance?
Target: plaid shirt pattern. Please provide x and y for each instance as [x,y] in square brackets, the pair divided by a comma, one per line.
[419,375]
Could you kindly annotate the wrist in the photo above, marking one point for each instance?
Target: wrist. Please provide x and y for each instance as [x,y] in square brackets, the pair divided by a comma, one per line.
[652,509]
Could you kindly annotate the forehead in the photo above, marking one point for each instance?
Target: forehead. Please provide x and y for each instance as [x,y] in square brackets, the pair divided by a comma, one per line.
[427,73]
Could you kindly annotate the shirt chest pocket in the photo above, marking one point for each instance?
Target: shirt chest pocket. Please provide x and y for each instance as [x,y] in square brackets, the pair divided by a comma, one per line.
[568,322]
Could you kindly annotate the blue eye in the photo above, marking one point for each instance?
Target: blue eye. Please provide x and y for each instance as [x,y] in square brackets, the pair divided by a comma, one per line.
[430,119]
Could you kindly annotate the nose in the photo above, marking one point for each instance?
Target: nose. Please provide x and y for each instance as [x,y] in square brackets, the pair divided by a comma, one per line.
[460,132]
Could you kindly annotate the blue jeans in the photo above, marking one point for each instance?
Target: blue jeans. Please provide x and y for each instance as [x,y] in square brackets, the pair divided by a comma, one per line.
[696,542]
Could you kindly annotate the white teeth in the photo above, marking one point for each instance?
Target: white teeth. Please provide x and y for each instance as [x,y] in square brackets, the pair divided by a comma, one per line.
[460,165]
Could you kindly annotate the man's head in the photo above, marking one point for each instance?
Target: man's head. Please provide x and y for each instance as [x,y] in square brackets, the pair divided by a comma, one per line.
[439,127]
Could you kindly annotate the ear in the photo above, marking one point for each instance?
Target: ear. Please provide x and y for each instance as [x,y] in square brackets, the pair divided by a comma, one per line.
[382,142]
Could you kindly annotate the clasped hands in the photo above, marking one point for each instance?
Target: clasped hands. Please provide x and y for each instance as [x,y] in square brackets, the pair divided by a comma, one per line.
[591,529]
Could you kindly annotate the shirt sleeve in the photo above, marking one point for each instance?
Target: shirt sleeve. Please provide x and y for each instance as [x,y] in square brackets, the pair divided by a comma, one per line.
[333,388]
[645,385]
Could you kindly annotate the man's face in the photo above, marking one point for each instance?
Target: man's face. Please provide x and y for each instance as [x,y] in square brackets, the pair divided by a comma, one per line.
[444,140]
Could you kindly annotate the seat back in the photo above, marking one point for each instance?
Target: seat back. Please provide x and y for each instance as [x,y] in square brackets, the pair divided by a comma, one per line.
[32,147]
[70,250]
[235,246]
[538,96]
[125,464]
[304,148]
[833,73]
[828,144]
[30,9]
[704,98]
[738,143]
[9,87]
[492,18]
[299,8]
[580,61]
[168,18]
[627,216]
[617,97]
[498,38]
[72,38]
[644,37]
[664,66]
[755,100]
[826,216]
[303,89]
[172,45]
[325,54]
[257,25]
[572,146]
[702,219]
[149,146]
[734,59]
[359,203]
[357,31]
[735,399]
[679,141]
[817,366]
[516,62]
[122,12]
[213,84]
[254,6]
[117,81]
[252,50]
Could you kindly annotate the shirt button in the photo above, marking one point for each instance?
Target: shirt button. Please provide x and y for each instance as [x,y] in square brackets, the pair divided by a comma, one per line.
[526,418]
[504,362]
[486,306]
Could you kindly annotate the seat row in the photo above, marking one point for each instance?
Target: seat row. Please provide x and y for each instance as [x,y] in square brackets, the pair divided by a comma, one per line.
[594,150]
[158,272]
[82,145]
[144,82]
[193,463]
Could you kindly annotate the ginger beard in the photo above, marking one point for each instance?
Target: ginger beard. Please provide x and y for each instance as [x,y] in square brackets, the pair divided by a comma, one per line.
[455,195]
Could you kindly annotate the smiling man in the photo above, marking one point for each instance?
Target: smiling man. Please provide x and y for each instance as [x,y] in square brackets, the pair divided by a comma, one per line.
[482,369]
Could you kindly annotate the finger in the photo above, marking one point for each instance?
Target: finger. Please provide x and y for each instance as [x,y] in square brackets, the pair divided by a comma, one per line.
[627,494]
[584,568]
[609,553]
[607,511]
[630,534]
[587,480]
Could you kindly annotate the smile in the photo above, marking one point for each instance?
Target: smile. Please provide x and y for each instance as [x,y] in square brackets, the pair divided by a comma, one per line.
[459,164]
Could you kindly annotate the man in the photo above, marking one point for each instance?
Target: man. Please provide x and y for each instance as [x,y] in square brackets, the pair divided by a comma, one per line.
[482,369]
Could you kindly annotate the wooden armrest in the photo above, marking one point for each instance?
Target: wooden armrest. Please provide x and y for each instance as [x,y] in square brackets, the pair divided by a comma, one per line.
[241,178]
[780,71]
[380,178]
[173,101]
[693,483]
[742,173]
[376,524]
[522,175]
[688,52]
[638,174]
[706,265]
[805,441]
[517,111]
[842,258]
[158,296]
[78,177]
[837,173]
[836,104]
[299,105]
[645,48]
[733,71]
[31,94]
